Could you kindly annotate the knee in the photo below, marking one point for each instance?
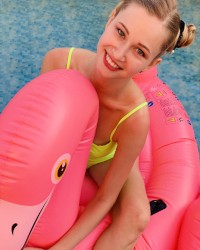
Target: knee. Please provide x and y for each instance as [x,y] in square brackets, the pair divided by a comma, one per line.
[129,220]
[140,218]
[137,217]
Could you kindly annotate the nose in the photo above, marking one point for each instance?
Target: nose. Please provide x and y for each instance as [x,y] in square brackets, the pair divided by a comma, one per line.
[120,53]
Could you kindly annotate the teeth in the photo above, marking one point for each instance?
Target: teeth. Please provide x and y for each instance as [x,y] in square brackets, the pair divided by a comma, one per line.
[109,60]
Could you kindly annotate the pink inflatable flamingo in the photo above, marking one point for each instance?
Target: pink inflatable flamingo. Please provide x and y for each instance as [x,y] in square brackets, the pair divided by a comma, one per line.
[45,136]
[37,151]
[190,230]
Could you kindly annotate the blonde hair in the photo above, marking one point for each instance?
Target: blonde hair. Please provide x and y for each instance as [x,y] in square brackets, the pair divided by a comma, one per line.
[166,11]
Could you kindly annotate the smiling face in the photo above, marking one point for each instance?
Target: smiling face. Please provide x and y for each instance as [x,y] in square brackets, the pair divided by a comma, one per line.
[130,43]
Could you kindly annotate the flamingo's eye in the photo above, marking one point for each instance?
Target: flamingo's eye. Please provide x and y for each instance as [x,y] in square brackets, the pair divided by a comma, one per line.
[59,168]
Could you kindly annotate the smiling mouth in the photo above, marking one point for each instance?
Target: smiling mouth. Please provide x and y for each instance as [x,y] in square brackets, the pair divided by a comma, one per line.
[110,64]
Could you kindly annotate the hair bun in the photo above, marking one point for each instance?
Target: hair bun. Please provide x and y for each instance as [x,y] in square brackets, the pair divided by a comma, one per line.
[187,37]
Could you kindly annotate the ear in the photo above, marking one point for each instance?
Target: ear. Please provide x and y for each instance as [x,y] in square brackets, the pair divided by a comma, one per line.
[154,63]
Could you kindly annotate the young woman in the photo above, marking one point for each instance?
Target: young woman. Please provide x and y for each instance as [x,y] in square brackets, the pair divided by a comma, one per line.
[136,35]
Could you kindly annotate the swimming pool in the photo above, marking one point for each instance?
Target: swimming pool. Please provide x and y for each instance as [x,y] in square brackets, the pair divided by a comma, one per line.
[29,30]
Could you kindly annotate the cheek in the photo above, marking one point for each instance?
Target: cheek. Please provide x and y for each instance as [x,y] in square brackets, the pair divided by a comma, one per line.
[135,66]
[100,44]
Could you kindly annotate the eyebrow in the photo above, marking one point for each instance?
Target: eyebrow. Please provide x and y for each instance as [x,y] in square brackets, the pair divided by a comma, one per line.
[124,27]
[140,44]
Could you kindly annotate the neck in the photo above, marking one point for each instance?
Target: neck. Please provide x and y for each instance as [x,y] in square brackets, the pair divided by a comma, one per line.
[108,86]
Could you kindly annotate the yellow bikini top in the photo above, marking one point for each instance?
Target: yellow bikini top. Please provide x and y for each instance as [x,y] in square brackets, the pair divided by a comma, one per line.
[69,58]
[101,153]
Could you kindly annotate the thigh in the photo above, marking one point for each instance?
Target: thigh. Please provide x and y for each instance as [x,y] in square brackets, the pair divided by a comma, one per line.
[133,191]
[130,215]
[98,171]
[133,194]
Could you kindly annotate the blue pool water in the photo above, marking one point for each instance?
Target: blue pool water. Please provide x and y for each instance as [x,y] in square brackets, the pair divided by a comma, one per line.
[28,29]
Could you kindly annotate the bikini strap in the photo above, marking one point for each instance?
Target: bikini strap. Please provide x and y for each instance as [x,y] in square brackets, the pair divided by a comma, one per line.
[69,58]
[126,116]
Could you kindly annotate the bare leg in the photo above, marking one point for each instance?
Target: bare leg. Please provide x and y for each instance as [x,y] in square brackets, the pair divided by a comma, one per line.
[130,215]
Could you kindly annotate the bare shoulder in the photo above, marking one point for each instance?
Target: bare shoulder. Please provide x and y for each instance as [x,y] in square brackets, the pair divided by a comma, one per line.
[54,59]
[57,58]
[133,132]
[139,121]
